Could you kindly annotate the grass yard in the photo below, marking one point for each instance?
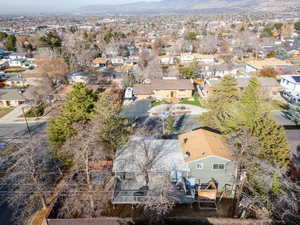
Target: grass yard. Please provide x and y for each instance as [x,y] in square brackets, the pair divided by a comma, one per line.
[195,102]
[158,102]
[4,111]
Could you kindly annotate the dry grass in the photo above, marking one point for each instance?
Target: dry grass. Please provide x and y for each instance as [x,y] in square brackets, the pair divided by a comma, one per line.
[4,111]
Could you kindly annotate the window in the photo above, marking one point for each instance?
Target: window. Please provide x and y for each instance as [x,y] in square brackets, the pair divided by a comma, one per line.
[199,166]
[218,166]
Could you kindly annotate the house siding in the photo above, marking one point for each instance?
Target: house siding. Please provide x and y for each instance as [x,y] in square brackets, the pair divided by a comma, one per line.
[167,94]
[204,175]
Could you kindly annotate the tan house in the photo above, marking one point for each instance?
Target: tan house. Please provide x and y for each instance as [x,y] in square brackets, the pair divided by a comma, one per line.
[10,97]
[164,89]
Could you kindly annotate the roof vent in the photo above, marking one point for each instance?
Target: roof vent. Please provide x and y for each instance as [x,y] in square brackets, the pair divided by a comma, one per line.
[187,155]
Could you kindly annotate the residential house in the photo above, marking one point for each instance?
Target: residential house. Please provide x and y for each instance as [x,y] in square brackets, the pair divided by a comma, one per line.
[280,66]
[220,70]
[100,63]
[208,158]
[291,83]
[78,77]
[164,89]
[167,60]
[11,97]
[117,61]
[145,166]
[16,55]
[205,59]
[15,80]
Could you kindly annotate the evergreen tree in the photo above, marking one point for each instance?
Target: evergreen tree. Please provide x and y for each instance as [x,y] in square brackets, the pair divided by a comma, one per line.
[114,130]
[220,103]
[78,107]
[170,124]
[3,35]
[10,43]
[251,114]
[249,108]
[293,114]
[79,104]
[272,139]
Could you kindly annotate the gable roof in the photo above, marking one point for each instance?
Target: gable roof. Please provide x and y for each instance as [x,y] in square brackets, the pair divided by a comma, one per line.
[166,153]
[100,61]
[147,89]
[202,143]
[172,85]
[8,94]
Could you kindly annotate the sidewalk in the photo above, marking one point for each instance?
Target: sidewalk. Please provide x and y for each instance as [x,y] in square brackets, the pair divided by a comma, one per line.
[16,116]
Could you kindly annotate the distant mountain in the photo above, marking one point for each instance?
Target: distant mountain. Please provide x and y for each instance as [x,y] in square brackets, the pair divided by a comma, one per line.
[173,6]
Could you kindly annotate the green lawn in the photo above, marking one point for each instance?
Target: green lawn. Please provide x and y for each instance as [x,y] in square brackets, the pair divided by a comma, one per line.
[195,102]
[4,111]
[159,102]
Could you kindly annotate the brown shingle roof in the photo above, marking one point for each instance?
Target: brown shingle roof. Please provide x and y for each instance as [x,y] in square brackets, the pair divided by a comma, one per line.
[147,89]
[202,143]
[172,85]
[142,89]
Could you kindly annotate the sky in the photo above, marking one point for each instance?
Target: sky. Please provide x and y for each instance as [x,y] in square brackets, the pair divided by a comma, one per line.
[9,6]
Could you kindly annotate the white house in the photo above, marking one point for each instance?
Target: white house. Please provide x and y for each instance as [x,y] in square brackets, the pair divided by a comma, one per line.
[79,77]
[167,60]
[17,55]
[117,61]
[291,83]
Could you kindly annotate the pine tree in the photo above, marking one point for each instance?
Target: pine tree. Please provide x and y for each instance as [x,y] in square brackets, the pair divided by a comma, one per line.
[78,107]
[10,43]
[220,103]
[114,131]
[249,108]
[170,124]
[293,113]
[272,139]
[251,114]
[79,104]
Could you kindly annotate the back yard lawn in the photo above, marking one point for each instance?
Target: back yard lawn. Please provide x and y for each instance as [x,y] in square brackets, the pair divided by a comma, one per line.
[195,101]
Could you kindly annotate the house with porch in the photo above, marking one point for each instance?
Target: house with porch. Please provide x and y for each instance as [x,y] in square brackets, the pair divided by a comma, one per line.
[147,166]
[11,97]
[208,158]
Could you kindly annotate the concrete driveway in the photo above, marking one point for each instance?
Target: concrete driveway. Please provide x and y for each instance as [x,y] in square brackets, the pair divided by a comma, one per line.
[136,110]
[177,109]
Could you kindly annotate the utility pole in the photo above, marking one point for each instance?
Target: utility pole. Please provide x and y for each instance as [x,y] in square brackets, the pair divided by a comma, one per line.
[28,128]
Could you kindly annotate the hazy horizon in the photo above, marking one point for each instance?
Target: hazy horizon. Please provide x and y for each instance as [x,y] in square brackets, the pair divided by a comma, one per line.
[34,6]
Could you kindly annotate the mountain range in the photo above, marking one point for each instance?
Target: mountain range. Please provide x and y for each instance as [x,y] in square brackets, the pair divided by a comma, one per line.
[177,6]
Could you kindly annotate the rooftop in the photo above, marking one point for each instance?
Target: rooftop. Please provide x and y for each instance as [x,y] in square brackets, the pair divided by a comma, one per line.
[259,64]
[8,94]
[203,143]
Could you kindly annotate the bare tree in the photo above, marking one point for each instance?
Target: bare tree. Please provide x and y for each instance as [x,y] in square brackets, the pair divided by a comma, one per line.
[30,178]
[53,67]
[82,196]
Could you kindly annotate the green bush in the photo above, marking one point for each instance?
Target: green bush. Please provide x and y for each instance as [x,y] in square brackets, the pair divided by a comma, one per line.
[36,111]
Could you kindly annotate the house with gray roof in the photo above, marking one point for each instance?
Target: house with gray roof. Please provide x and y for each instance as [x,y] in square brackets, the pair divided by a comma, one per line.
[11,97]
[146,165]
